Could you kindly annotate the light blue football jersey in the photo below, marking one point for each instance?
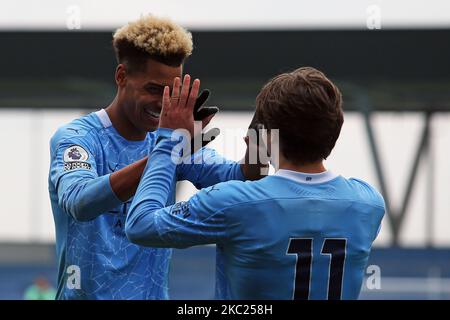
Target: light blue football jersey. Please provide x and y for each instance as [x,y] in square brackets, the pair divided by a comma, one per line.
[95,258]
[287,236]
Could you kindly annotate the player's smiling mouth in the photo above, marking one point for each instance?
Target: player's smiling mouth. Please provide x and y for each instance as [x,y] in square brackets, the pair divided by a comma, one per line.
[152,112]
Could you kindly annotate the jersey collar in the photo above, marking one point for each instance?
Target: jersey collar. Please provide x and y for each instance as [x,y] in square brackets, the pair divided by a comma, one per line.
[104,118]
[308,178]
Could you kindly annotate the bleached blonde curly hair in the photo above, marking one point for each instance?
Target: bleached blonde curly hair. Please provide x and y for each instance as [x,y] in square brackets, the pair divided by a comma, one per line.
[152,37]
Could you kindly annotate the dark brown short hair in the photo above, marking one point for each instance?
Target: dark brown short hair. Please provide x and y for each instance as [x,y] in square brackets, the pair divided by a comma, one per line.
[306,107]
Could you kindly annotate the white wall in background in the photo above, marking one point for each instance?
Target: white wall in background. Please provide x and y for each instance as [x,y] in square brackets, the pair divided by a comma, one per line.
[25,212]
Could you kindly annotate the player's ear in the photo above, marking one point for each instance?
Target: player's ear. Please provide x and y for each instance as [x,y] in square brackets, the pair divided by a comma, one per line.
[121,75]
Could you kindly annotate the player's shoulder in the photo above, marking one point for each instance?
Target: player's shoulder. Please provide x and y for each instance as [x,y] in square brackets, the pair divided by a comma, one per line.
[233,193]
[365,192]
[78,130]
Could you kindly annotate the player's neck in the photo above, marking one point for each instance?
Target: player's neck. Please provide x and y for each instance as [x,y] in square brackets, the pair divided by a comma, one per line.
[315,167]
[120,122]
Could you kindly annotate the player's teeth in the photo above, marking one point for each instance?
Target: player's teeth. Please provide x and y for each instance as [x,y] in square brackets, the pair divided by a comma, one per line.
[154,114]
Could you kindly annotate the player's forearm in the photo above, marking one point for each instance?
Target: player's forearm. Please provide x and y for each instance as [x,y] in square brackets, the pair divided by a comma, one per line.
[255,164]
[125,181]
[86,200]
[254,171]
[151,195]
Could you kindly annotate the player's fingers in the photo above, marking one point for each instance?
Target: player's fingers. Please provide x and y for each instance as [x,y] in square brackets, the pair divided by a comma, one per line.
[175,92]
[185,91]
[166,99]
[193,95]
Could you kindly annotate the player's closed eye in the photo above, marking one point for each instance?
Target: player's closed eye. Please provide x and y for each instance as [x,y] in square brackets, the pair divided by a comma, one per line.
[155,90]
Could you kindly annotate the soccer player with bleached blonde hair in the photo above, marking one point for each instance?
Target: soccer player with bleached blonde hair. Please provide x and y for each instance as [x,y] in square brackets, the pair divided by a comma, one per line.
[97,162]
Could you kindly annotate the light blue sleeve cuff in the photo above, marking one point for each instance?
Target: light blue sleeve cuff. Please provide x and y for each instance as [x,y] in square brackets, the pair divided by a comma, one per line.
[164,132]
[110,195]
[171,141]
[101,195]
[94,199]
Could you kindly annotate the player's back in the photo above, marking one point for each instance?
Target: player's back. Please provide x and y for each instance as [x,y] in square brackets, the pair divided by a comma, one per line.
[297,236]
